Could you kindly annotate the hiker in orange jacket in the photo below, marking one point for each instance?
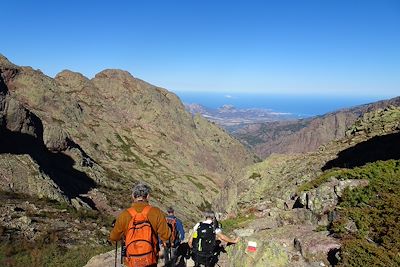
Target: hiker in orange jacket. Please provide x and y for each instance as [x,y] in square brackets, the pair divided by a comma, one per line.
[156,218]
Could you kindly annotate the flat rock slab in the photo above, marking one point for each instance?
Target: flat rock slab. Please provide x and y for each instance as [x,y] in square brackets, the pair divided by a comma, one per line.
[108,260]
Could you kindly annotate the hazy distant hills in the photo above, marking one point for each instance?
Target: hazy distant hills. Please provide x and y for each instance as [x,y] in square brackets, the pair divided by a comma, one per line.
[303,135]
[230,117]
[267,132]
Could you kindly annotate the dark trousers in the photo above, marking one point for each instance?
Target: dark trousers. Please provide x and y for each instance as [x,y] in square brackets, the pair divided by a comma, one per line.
[170,257]
[204,260]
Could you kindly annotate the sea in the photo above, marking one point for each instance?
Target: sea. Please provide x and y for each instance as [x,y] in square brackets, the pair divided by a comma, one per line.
[297,105]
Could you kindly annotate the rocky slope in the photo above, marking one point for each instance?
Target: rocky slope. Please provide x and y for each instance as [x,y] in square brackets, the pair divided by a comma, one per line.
[84,142]
[289,201]
[304,135]
[286,204]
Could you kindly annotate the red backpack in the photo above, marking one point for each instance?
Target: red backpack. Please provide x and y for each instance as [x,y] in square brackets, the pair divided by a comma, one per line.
[171,221]
[140,241]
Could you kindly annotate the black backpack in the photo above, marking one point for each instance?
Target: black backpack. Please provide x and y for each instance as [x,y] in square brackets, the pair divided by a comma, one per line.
[204,243]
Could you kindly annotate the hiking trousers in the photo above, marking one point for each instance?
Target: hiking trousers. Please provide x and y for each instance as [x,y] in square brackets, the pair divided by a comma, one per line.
[170,257]
[206,261]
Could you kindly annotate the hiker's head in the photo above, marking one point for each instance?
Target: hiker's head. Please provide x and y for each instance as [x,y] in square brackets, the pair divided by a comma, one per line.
[210,215]
[170,211]
[140,191]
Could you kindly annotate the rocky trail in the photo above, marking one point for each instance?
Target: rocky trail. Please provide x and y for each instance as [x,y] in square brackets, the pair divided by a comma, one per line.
[109,259]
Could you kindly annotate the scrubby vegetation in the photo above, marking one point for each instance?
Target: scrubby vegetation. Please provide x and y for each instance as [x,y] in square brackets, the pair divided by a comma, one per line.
[368,219]
[319,180]
[46,253]
[255,175]
[50,246]
[231,224]
[193,179]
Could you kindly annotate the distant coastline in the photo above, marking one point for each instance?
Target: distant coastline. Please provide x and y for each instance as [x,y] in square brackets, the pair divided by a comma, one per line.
[297,105]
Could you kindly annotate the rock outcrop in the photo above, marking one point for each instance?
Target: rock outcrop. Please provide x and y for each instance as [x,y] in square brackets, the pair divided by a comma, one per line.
[285,246]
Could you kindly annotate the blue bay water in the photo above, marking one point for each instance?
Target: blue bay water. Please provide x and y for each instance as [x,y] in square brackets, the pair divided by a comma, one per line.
[298,105]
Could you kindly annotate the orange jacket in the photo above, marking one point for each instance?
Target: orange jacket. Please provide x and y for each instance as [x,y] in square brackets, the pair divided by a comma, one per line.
[156,218]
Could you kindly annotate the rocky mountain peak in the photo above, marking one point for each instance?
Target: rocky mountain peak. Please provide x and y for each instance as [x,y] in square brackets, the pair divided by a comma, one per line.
[70,80]
[69,76]
[114,74]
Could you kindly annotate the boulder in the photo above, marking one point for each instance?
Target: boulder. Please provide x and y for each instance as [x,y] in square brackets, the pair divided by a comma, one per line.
[55,138]
[287,246]
[244,232]
[19,119]
[105,260]
[78,204]
[323,199]
[351,184]
[315,246]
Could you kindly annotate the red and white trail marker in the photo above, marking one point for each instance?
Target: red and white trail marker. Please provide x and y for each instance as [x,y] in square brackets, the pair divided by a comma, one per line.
[251,246]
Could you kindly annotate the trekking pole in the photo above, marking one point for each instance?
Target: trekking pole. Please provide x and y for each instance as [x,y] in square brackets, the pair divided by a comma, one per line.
[170,251]
[122,251]
[116,252]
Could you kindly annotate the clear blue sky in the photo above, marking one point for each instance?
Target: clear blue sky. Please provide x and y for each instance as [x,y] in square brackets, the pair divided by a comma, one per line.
[297,47]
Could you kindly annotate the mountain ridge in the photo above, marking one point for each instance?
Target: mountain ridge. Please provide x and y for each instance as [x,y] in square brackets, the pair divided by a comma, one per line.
[304,135]
[84,142]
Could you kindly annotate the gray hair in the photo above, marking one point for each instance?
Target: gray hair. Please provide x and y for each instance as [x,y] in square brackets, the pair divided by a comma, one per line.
[209,214]
[140,190]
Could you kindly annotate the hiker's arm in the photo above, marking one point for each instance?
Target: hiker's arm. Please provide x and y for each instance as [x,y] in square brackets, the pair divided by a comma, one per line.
[191,233]
[190,241]
[119,227]
[162,228]
[227,239]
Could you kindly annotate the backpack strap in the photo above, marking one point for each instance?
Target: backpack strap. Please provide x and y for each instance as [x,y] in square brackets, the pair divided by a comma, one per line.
[132,211]
[145,211]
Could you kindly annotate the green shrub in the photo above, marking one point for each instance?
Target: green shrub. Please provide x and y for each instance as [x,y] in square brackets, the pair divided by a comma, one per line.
[375,210]
[231,224]
[255,175]
[193,180]
[51,255]
[358,252]
[319,180]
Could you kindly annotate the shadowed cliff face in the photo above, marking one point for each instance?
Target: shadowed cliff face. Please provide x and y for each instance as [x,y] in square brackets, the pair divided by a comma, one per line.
[3,87]
[21,133]
[3,91]
[384,147]
[58,166]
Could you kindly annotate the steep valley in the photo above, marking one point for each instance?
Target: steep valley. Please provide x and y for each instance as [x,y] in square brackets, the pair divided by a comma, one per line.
[71,148]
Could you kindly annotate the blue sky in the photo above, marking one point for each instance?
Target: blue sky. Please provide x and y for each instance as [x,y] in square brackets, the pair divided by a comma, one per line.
[288,47]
